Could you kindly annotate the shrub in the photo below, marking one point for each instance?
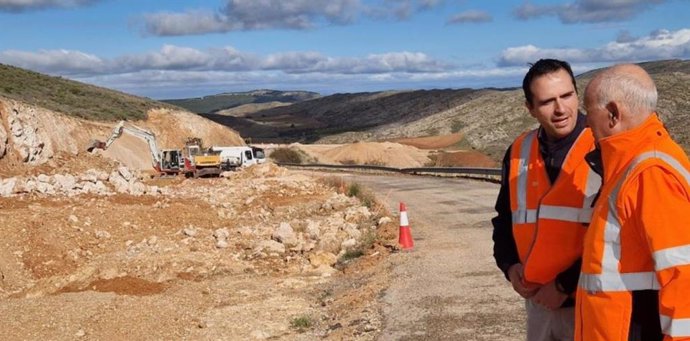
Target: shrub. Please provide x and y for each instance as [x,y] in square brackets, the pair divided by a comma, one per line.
[286,155]
[456,126]
[301,323]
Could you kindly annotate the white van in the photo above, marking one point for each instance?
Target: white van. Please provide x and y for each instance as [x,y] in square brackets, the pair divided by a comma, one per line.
[240,156]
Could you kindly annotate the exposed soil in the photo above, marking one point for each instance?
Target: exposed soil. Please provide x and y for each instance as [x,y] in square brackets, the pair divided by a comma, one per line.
[153,267]
[262,253]
[432,142]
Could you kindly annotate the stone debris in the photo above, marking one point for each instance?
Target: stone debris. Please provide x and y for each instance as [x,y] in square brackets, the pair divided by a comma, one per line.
[92,181]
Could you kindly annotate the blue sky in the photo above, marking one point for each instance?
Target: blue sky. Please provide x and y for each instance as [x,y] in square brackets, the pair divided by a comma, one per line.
[176,49]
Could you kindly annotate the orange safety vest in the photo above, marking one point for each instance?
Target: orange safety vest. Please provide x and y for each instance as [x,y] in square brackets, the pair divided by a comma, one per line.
[549,221]
[639,238]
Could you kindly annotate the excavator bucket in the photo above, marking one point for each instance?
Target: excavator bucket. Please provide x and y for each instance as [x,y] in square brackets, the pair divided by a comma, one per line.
[95,144]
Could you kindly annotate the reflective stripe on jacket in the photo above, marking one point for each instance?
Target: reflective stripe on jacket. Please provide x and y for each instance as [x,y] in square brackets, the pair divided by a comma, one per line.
[639,237]
[549,221]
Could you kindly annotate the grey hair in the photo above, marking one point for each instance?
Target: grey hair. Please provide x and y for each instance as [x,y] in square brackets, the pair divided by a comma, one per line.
[640,97]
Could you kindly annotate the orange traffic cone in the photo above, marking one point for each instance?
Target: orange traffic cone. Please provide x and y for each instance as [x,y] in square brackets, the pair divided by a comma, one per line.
[405,239]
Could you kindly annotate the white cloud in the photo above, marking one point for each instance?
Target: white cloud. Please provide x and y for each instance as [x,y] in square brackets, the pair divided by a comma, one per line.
[590,11]
[661,44]
[238,15]
[63,62]
[177,58]
[471,16]
[244,15]
[26,5]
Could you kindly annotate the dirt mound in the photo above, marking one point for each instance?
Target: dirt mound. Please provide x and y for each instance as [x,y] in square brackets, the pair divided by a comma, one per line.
[432,142]
[368,153]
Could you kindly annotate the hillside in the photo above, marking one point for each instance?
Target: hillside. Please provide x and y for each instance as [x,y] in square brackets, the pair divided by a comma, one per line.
[488,119]
[47,122]
[214,103]
[73,98]
[314,119]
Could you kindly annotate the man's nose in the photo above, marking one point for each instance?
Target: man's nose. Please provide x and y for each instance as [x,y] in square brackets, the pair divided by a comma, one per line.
[559,106]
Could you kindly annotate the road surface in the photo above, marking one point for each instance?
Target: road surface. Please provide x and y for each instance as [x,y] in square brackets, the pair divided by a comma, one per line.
[448,287]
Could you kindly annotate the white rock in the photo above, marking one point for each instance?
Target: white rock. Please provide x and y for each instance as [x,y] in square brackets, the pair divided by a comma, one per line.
[385,220]
[190,231]
[102,234]
[285,234]
[269,246]
[7,186]
[221,234]
[124,173]
[348,244]
[221,243]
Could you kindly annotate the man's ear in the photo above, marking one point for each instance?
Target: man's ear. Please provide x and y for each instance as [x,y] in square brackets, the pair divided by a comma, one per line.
[614,113]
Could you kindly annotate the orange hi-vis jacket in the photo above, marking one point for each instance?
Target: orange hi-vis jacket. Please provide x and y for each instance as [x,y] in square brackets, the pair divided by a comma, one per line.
[549,221]
[639,237]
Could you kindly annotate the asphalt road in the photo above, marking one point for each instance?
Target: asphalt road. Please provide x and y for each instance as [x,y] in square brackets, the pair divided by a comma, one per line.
[448,287]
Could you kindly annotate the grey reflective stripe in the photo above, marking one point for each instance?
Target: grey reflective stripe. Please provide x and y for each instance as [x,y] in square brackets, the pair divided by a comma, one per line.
[619,281]
[524,216]
[564,213]
[674,256]
[675,327]
[610,278]
[523,168]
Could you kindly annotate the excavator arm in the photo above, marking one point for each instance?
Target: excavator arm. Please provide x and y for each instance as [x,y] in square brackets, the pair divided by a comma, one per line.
[144,134]
[149,138]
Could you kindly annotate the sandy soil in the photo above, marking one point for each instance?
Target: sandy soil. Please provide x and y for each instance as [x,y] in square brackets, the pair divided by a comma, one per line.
[432,142]
[150,267]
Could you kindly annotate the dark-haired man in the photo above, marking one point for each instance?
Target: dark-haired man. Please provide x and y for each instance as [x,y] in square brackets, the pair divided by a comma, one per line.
[544,203]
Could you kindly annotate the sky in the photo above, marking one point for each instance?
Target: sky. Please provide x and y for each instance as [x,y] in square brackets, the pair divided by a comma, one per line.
[166,49]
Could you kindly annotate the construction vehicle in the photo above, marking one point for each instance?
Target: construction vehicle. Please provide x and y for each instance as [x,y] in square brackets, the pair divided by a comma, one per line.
[199,161]
[239,156]
[193,161]
[166,161]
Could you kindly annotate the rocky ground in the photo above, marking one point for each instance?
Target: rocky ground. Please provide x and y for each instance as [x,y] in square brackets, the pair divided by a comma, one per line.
[260,254]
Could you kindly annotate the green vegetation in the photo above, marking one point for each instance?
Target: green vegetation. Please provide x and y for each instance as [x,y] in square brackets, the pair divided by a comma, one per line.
[456,126]
[433,131]
[213,103]
[73,98]
[366,197]
[286,155]
[301,323]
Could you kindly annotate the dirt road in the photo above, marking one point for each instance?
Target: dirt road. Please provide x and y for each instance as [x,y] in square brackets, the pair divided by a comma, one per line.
[448,288]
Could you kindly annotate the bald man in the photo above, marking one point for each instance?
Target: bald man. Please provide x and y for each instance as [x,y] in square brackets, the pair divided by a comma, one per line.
[635,276]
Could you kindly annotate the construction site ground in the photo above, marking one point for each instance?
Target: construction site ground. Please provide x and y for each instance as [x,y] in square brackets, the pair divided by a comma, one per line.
[94,248]
[151,267]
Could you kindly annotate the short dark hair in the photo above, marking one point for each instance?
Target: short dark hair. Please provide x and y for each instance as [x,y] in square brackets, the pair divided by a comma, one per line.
[543,67]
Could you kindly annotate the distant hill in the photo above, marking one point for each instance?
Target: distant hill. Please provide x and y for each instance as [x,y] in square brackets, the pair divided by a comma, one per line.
[489,119]
[71,97]
[314,119]
[215,103]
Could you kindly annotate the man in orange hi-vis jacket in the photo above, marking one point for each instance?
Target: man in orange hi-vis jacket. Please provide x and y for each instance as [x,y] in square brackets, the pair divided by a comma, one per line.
[635,279]
[545,202]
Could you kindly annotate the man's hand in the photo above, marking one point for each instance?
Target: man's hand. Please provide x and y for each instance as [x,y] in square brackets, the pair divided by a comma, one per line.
[515,276]
[549,296]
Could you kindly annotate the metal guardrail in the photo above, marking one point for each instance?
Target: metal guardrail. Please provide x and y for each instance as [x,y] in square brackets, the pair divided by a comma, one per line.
[418,170]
